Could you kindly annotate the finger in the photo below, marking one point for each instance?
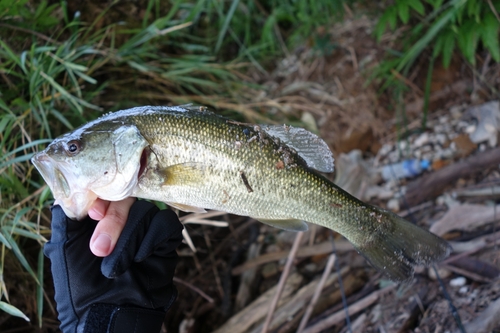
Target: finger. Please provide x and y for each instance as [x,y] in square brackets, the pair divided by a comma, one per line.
[98,209]
[109,228]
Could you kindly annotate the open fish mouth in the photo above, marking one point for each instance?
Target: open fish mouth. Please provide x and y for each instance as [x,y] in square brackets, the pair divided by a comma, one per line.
[52,175]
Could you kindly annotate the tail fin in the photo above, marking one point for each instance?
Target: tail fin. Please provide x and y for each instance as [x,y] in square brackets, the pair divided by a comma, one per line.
[398,245]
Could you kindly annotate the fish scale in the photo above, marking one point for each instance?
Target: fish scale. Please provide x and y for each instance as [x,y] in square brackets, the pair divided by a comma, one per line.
[194,160]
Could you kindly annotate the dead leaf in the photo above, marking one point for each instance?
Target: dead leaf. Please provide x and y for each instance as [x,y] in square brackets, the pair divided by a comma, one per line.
[464,145]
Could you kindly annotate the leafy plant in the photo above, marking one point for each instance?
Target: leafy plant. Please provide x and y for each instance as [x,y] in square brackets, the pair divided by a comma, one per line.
[41,19]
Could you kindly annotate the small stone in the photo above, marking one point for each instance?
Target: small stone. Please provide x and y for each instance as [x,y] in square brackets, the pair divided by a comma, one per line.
[444,119]
[458,282]
[462,124]
[385,149]
[463,290]
[422,140]
[393,205]
[269,270]
[447,153]
[441,139]
[456,111]
[443,273]
[470,129]
[402,145]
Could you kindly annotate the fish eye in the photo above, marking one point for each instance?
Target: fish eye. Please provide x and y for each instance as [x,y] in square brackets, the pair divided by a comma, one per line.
[73,147]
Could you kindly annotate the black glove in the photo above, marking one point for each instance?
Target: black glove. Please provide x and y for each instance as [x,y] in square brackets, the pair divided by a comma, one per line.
[128,291]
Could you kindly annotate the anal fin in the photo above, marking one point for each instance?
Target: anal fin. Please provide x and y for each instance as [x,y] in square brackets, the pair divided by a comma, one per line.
[186,208]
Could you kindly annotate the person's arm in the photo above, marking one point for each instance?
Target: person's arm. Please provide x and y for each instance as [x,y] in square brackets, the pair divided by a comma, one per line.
[128,291]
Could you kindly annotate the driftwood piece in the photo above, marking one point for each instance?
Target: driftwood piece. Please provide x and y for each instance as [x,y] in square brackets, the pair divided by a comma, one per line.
[352,309]
[258,309]
[432,185]
[299,301]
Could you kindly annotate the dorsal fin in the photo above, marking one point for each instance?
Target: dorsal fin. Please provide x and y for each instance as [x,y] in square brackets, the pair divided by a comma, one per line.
[308,145]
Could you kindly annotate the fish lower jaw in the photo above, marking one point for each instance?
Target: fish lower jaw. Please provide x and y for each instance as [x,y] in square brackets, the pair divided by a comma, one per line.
[77,206]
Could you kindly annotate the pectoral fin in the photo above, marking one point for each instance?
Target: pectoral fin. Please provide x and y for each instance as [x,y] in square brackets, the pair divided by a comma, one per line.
[186,208]
[290,224]
[184,174]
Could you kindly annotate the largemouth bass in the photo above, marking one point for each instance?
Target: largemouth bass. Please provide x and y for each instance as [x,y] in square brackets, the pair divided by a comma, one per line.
[193,160]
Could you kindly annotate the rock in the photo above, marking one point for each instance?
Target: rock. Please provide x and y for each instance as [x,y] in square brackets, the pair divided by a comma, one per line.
[393,205]
[423,139]
[458,282]
[488,116]
[443,273]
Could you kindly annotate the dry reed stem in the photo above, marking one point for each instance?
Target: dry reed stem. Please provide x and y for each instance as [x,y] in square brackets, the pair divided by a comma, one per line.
[282,281]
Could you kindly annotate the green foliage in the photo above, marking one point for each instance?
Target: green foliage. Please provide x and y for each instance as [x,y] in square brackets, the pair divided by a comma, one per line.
[41,19]
[12,8]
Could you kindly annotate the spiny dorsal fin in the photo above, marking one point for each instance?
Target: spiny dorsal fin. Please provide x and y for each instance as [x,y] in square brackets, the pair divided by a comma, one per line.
[308,145]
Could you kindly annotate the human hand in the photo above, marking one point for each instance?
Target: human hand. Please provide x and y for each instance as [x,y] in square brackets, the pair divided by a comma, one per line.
[130,289]
[112,216]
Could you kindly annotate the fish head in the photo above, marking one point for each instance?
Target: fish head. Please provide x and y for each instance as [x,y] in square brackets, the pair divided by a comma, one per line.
[90,163]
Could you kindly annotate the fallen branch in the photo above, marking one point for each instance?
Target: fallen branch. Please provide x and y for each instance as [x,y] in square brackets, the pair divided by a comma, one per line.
[434,184]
